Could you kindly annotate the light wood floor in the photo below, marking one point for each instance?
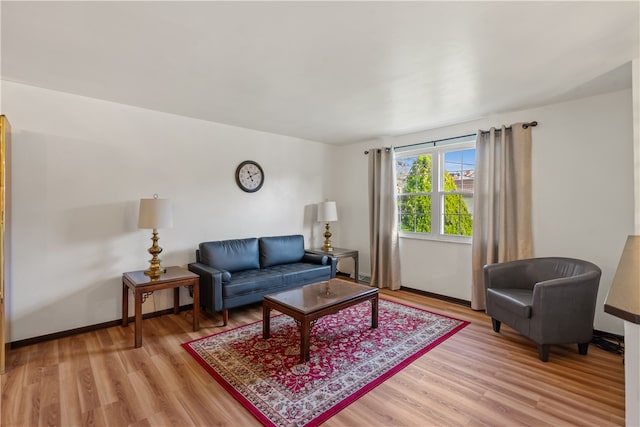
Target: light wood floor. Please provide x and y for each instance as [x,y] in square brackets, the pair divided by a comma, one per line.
[476,377]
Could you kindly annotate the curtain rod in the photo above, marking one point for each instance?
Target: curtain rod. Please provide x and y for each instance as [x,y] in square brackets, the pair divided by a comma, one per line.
[436,141]
[428,142]
[524,126]
[387,149]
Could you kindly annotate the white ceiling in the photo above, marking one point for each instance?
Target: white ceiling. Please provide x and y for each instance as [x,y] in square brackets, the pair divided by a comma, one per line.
[335,72]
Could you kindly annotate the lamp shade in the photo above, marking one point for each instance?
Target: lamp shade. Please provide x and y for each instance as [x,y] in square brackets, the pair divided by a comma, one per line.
[327,212]
[155,213]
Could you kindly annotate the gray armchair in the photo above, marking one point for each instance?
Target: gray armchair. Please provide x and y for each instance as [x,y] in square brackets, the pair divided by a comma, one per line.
[550,300]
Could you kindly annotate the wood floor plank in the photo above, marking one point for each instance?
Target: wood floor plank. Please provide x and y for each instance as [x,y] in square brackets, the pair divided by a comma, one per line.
[50,397]
[112,375]
[70,410]
[118,413]
[475,378]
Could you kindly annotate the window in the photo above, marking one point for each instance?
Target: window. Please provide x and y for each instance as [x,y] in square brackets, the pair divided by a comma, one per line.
[434,187]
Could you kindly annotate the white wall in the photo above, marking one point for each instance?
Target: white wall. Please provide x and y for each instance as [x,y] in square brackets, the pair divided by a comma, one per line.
[79,168]
[80,165]
[582,195]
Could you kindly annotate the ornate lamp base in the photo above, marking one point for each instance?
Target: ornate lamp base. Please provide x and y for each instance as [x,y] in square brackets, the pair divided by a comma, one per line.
[154,271]
[327,239]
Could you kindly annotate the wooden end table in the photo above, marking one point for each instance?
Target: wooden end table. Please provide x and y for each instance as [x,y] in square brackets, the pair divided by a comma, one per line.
[340,253]
[308,303]
[142,286]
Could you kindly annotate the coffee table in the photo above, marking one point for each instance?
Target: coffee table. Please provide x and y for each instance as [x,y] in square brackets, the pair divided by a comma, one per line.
[308,303]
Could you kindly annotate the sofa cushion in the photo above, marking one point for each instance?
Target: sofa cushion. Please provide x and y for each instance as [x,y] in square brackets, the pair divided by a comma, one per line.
[252,281]
[516,301]
[281,250]
[231,255]
[302,272]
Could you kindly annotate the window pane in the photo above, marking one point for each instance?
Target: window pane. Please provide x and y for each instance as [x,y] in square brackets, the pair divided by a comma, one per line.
[413,174]
[461,166]
[457,218]
[403,166]
[414,213]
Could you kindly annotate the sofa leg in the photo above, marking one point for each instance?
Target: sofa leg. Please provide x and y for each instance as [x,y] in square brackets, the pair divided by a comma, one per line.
[583,347]
[496,325]
[225,317]
[543,352]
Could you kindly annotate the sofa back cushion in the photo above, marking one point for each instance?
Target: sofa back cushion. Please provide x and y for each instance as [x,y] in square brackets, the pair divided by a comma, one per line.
[281,250]
[231,255]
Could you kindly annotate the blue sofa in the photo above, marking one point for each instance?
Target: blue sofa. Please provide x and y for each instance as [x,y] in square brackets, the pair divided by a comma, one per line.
[241,271]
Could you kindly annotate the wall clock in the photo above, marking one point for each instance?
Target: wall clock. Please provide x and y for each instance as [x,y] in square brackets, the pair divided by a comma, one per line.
[249,176]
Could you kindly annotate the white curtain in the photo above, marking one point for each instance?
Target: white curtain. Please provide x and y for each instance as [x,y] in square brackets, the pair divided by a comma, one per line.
[502,202]
[383,220]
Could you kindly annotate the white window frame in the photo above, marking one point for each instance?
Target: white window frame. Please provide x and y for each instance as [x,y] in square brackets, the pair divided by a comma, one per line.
[437,190]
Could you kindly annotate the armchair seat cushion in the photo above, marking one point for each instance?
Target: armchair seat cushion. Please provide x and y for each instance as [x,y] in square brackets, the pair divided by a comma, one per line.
[516,301]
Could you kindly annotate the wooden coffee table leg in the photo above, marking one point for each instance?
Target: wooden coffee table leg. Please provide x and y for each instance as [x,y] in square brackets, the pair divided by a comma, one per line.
[266,321]
[374,312]
[305,332]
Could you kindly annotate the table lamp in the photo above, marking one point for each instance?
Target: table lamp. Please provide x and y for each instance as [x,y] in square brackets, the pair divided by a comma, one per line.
[155,213]
[327,212]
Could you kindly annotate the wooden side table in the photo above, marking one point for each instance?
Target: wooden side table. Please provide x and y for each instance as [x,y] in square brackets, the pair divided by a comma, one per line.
[340,253]
[142,286]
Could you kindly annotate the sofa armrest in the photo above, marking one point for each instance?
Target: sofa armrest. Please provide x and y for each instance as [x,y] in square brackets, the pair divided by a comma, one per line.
[315,258]
[333,261]
[210,285]
[323,260]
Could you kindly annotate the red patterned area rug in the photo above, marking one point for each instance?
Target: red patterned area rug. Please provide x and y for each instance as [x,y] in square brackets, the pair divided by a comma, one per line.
[348,359]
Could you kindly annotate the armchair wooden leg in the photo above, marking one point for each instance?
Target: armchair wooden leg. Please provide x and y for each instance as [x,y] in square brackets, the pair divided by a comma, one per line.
[496,325]
[543,352]
[225,317]
[583,347]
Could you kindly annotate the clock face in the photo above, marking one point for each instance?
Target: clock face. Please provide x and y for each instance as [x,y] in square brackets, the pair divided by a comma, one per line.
[249,176]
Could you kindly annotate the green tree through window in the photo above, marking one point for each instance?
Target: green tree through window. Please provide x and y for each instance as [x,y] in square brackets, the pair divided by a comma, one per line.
[415,208]
[415,199]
